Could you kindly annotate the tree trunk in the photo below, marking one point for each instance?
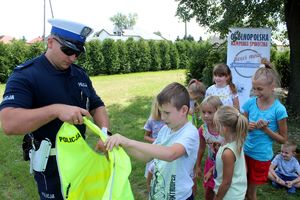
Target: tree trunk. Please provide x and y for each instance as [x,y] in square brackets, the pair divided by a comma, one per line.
[292,18]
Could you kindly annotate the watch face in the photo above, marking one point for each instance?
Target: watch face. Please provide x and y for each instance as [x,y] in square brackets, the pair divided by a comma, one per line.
[85,31]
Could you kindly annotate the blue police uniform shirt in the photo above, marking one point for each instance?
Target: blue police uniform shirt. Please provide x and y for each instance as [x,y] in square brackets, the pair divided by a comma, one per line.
[37,83]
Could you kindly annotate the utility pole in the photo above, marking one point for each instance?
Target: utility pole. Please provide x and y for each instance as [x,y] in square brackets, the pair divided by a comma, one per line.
[185,29]
[51,9]
[44,21]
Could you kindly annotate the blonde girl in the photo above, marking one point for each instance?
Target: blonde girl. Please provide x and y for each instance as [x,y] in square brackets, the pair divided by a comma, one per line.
[224,87]
[196,91]
[152,127]
[230,174]
[267,122]
[153,124]
[210,138]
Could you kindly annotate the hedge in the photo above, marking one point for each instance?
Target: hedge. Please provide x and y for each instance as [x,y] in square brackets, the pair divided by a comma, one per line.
[115,57]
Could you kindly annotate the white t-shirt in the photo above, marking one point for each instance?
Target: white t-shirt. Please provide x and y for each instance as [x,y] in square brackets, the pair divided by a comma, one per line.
[238,187]
[224,93]
[174,180]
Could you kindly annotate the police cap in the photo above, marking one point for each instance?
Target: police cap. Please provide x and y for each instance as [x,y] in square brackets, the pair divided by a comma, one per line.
[72,34]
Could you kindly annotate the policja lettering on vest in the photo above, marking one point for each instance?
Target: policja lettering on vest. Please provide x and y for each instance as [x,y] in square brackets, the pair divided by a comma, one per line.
[70,139]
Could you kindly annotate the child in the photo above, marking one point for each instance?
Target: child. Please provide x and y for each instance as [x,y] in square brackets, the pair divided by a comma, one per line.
[196,91]
[287,173]
[231,176]
[175,149]
[208,137]
[153,124]
[224,87]
[152,127]
[267,122]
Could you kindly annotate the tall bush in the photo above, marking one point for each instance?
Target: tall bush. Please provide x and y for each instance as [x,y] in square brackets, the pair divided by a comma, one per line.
[92,60]
[164,48]
[18,53]
[36,49]
[123,57]
[282,64]
[155,59]
[143,53]
[174,56]
[4,62]
[205,56]
[134,60]
[182,47]
[111,63]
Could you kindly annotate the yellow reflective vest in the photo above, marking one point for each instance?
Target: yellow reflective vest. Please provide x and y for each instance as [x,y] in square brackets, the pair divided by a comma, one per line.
[86,174]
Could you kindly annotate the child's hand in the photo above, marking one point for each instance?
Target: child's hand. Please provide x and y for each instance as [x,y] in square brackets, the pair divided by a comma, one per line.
[115,140]
[262,124]
[101,147]
[252,126]
[198,172]
[207,176]
[289,184]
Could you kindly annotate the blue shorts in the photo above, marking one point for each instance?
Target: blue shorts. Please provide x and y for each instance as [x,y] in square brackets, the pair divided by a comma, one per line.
[48,182]
[284,177]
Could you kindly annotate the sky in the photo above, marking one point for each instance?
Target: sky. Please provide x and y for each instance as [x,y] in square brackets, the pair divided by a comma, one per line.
[26,17]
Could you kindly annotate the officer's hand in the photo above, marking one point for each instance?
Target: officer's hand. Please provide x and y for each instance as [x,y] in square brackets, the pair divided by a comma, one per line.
[71,114]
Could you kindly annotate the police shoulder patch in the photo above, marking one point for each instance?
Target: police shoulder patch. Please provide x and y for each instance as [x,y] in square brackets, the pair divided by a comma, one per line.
[24,65]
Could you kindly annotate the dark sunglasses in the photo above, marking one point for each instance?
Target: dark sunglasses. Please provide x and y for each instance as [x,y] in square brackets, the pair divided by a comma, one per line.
[67,50]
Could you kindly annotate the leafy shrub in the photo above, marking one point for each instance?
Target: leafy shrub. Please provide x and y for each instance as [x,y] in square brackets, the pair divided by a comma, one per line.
[111,63]
[164,48]
[282,64]
[155,59]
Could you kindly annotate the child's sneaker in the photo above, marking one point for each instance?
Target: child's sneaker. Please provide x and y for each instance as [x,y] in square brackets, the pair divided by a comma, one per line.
[291,190]
[276,185]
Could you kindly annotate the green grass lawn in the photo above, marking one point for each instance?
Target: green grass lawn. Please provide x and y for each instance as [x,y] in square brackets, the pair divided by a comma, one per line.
[128,99]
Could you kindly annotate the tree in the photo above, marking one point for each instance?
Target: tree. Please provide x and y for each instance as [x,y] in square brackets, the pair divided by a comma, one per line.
[184,14]
[220,15]
[122,21]
[132,17]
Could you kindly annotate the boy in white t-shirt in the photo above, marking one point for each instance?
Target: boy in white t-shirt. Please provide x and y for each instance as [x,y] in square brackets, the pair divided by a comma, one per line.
[174,151]
[285,169]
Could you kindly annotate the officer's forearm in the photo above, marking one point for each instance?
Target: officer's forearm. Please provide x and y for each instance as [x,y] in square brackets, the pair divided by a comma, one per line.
[100,117]
[19,121]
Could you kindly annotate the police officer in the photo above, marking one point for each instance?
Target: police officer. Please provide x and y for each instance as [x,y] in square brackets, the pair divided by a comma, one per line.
[44,92]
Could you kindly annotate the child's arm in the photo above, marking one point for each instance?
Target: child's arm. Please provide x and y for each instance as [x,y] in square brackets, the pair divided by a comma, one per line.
[147,137]
[201,151]
[294,182]
[228,159]
[273,176]
[281,137]
[251,125]
[236,102]
[145,151]
[209,173]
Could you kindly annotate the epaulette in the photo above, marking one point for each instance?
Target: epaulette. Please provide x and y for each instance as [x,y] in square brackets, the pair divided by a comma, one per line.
[77,66]
[24,65]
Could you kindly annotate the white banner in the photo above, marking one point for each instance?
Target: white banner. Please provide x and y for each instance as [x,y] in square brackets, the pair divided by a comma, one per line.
[246,47]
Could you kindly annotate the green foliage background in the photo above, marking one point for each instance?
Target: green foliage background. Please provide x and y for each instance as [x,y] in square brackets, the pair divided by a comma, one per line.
[121,57]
